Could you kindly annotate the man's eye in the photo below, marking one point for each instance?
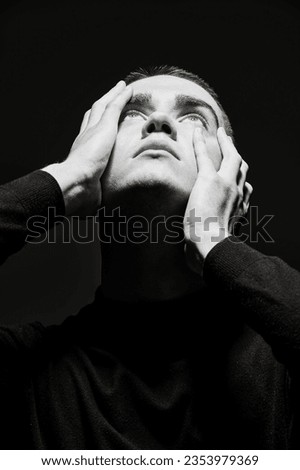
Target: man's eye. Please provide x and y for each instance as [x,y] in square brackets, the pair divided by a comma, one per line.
[194,118]
[132,114]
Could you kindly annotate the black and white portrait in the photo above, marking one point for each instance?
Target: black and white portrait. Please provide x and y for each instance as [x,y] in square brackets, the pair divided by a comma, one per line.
[149,227]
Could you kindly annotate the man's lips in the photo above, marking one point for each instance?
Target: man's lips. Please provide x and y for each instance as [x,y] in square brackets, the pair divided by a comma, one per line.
[156,145]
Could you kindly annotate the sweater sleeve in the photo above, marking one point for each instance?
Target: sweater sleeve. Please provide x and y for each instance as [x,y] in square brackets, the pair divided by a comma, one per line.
[22,199]
[265,288]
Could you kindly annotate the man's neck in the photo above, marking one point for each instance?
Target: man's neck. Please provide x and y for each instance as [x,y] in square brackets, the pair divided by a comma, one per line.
[148,263]
[146,273]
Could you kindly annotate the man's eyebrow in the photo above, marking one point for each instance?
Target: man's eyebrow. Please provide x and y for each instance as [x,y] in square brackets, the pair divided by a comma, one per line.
[141,99]
[186,101]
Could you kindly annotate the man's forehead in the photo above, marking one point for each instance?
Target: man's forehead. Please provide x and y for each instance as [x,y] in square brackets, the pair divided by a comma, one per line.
[166,87]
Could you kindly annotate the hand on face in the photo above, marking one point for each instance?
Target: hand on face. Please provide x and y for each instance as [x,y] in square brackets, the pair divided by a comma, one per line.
[79,175]
[92,147]
[218,198]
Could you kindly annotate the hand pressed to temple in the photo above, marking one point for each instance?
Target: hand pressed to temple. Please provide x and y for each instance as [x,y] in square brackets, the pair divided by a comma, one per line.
[79,175]
[217,199]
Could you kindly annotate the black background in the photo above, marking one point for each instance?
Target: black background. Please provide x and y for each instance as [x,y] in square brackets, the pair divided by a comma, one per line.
[57,58]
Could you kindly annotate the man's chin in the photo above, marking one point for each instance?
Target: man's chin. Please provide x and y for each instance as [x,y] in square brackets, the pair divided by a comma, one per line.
[146,191]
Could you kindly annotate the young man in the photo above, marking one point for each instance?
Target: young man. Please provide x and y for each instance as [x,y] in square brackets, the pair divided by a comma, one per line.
[192,341]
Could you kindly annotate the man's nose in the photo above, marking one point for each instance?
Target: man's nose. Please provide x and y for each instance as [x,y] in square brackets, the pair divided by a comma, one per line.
[159,122]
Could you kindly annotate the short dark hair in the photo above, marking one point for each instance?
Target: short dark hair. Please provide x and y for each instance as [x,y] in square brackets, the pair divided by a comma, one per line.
[146,72]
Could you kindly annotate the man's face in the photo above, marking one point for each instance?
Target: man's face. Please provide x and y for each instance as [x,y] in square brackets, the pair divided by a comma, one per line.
[154,145]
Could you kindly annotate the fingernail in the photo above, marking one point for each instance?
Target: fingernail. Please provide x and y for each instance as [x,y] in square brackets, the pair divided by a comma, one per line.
[121,82]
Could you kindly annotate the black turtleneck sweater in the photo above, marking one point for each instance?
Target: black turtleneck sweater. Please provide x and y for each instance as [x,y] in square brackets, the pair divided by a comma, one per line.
[218,369]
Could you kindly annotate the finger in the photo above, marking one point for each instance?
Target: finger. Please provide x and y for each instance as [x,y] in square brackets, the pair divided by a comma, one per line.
[246,198]
[100,105]
[242,174]
[243,189]
[114,108]
[84,121]
[232,160]
[248,190]
[204,163]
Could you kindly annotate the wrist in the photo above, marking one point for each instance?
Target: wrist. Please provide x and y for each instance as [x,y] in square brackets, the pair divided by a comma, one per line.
[71,184]
[198,246]
[210,240]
